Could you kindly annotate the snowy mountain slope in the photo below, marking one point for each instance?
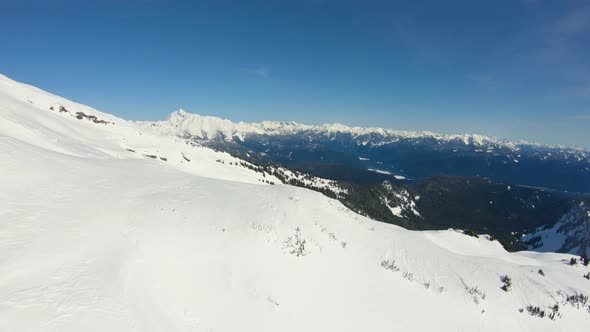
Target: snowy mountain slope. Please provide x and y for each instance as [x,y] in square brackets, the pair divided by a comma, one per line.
[570,234]
[34,117]
[95,237]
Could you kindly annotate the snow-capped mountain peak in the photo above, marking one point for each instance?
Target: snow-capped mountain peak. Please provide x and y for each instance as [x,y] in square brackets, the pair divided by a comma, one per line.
[200,126]
[182,123]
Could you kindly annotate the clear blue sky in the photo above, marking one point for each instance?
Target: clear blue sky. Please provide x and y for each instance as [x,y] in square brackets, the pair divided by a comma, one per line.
[508,68]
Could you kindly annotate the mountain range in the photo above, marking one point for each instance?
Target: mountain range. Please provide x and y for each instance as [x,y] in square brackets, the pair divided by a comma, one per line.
[487,185]
[356,154]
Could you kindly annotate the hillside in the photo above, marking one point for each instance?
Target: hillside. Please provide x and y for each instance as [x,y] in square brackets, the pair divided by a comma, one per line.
[571,232]
[110,225]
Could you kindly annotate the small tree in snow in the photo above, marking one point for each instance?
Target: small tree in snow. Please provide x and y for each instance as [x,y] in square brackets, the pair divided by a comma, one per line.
[389,265]
[554,314]
[535,311]
[507,283]
[470,232]
[295,244]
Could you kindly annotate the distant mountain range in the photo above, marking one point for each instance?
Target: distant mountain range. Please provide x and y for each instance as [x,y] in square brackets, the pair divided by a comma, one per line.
[210,127]
[418,180]
[362,155]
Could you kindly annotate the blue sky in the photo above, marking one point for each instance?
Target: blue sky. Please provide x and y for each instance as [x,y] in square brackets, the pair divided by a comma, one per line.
[508,68]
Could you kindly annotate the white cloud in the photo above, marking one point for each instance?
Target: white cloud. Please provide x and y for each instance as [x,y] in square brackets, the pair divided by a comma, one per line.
[585,91]
[548,57]
[486,81]
[262,71]
[581,117]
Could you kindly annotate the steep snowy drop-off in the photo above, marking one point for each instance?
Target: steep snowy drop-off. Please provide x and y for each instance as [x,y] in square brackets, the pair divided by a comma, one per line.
[571,233]
[114,227]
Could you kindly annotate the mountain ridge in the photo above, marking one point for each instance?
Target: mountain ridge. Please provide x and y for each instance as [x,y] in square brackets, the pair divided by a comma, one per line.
[211,127]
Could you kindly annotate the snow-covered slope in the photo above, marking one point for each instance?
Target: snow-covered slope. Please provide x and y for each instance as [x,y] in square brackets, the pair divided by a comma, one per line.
[570,234]
[116,227]
[40,119]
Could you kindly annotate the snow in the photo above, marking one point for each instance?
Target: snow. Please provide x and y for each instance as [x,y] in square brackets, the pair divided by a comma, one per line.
[397,211]
[95,237]
[313,181]
[569,234]
[379,171]
[182,123]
